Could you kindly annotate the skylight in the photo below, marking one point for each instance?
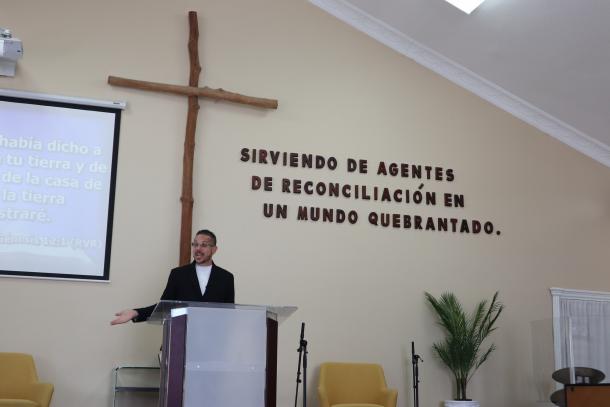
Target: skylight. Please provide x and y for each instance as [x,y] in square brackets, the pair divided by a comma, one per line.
[467,6]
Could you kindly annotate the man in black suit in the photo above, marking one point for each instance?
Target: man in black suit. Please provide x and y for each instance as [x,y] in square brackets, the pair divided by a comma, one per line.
[201,281]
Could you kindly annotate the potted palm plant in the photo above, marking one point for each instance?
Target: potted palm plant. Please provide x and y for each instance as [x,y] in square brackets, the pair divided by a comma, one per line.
[462,349]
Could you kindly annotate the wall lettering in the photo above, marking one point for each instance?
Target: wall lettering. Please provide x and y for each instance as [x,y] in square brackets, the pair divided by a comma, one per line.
[415,198]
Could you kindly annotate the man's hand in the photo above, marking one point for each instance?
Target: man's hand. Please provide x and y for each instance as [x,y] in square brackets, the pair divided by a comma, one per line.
[124,316]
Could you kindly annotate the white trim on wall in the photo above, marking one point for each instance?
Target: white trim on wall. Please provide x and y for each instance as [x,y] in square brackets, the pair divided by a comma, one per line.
[578,294]
[467,79]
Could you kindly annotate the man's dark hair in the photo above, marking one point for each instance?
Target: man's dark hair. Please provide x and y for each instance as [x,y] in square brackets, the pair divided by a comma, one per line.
[208,233]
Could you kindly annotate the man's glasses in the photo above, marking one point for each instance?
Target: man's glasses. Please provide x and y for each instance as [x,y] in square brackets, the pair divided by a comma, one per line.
[201,245]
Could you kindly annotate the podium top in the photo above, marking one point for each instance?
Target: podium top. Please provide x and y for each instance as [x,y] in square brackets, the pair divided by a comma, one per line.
[163,310]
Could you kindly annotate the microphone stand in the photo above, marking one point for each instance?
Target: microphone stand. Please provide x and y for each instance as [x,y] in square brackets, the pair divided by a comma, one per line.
[414,360]
[302,360]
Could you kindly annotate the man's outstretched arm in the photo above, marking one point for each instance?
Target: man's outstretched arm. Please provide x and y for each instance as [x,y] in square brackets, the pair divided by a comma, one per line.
[124,316]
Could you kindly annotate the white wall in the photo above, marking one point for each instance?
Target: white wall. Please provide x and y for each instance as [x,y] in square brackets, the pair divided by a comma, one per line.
[359,288]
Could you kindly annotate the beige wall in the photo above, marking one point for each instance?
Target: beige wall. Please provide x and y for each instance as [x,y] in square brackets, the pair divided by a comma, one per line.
[358,288]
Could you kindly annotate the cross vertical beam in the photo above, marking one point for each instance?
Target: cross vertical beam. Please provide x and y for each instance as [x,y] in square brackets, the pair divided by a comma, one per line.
[186,223]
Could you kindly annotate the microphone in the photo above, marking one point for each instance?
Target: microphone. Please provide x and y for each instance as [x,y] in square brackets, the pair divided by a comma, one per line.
[301,342]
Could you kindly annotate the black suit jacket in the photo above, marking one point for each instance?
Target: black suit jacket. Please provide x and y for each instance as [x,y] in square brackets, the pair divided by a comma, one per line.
[182,285]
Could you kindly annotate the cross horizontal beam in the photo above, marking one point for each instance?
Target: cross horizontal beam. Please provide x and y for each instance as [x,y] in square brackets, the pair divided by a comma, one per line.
[206,92]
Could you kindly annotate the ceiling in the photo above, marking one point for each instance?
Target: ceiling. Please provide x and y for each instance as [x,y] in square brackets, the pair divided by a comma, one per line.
[545,61]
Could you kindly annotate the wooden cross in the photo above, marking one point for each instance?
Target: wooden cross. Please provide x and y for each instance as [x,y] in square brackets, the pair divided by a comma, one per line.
[194,93]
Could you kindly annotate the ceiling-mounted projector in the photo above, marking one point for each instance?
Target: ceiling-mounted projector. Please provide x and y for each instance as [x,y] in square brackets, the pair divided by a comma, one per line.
[10,51]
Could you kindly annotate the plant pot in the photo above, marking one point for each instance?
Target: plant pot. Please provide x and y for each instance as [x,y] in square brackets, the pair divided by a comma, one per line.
[461,403]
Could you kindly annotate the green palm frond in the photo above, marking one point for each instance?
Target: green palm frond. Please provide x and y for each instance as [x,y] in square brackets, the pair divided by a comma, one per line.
[465,333]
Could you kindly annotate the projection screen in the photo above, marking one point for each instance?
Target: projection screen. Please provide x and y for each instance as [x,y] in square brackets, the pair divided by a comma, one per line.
[58,160]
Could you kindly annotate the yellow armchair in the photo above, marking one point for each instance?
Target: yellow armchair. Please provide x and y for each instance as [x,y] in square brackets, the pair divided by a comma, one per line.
[354,385]
[19,386]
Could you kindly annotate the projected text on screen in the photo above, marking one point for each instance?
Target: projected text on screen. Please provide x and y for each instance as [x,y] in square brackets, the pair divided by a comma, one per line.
[57,173]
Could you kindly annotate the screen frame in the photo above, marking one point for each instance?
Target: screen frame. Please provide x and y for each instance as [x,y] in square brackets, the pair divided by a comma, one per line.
[80,104]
